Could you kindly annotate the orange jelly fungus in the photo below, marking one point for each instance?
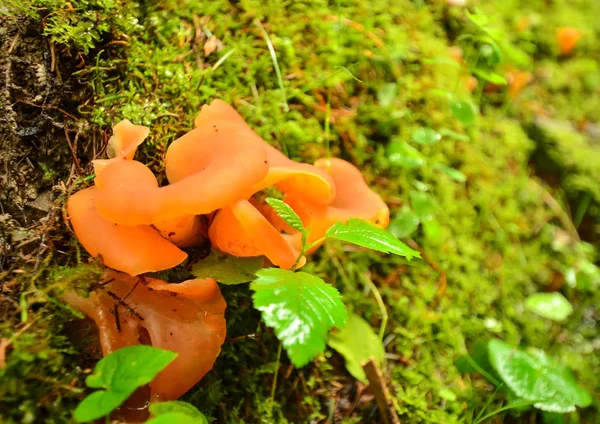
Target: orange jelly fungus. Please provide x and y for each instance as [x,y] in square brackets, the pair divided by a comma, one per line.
[567,38]
[186,318]
[354,199]
[123,144]
[517,81]
[131,249]
[209,168]
[241,230]
[285,174]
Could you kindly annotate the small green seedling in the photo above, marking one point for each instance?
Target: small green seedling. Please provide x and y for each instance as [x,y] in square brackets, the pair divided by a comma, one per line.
[118,375]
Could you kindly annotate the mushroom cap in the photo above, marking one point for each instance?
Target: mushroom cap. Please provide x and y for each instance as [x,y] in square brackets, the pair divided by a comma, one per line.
[285,174]
[219,149]
[354,199]
[209,168]
[191,324]
[303,179]
[241,230]
[184,231]
[197,288]
[128,193]
[123,144]
[568,37]
[131,249]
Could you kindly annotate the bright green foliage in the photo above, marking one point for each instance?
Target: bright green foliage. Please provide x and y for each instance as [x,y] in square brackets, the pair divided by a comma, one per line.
[120,374]
[404,225]
[553,306]
[176,412]
[357,343]
[463,110]
[301,307]
[286,213]
[425,136]
[403,155]
[387,93]
[534,377]
[227,269]
[365,234]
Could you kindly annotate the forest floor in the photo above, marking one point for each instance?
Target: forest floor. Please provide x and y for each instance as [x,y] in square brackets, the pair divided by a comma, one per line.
[496,185]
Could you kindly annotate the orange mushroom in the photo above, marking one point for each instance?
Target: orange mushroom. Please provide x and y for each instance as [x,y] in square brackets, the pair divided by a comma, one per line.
[567,38]
[132,249]
[285,174]
[184,231]
[241,230]
[191,323]
[123,144]
[517,81]
[209,168]
[354,199]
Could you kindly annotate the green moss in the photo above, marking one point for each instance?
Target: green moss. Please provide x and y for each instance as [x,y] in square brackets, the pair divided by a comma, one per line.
[494,237]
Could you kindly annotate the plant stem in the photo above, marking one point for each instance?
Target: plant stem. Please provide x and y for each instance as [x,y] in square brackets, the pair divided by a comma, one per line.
[274,386]
[379,299]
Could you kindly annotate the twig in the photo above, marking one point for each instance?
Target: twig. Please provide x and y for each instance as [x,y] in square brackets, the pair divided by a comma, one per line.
[49,107]
[274,386]
[432,264]
[380,391]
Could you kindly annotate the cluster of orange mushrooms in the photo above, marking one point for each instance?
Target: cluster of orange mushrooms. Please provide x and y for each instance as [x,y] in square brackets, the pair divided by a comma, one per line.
[216,173]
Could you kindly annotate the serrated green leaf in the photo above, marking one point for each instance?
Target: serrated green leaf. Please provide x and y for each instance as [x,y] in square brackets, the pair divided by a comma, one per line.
[183,412]
[367,235]
[387,93]
[404,155]
[489,76]
[463,110]
[425,136]
[286,213]
[301,307]
[549,305]
[357,343]
[533,376]
[121,373]
[227,269]
[404,225]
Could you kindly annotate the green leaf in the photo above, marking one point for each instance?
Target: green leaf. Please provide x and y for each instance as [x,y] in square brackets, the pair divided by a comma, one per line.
[463,110]
[357,343]
[177,418]
[553,306]
[286,213]
[533,376]
[387,93]
[445,132]
[489,76]
[121,373]
[184,411]
[447,394]
[227,269]
[455,174]
[367,235]
[404,155]
[423,204]
[99,404]
[446,61]
[301,308]
[425,136]
[404,225]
